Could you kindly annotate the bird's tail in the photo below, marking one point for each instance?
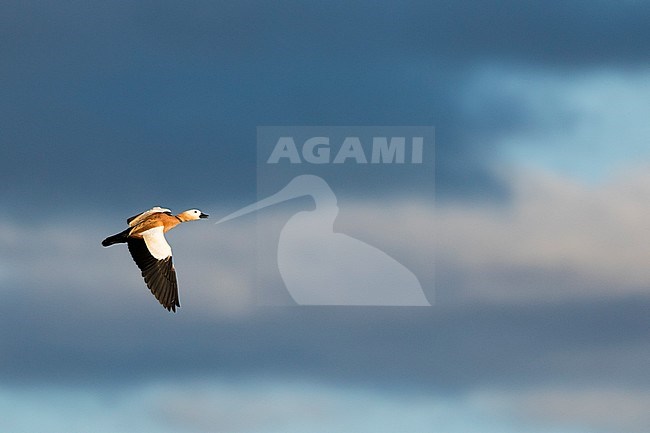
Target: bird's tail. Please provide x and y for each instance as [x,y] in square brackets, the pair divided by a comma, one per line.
[119,238]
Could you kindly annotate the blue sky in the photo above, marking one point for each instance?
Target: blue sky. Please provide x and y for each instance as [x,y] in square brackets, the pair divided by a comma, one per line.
[537,225]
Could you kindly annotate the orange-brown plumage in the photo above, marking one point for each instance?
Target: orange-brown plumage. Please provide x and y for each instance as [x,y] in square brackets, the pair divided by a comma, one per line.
[165,220]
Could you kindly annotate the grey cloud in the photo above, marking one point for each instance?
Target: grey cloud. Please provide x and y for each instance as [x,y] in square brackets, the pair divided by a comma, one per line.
[558,239]
[594,409]
[105,332]
[78,312]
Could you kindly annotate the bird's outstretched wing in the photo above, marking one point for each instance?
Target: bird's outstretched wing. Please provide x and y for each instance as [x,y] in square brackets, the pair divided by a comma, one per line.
[153,256]
[136,219]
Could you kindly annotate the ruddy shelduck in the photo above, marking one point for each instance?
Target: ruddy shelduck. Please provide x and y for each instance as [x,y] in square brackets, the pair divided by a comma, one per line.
[145,238]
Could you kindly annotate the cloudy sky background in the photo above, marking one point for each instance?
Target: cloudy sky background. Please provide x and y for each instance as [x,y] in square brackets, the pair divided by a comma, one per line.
[540,235]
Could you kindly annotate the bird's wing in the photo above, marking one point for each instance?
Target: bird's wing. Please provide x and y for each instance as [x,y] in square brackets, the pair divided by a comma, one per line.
[137,219]
[153,255]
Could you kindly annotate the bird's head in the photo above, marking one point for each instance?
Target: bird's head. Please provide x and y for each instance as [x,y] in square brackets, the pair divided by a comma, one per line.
[191,215]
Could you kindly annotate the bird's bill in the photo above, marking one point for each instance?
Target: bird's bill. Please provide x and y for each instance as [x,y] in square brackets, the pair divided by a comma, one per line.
[282,195]
[203,215]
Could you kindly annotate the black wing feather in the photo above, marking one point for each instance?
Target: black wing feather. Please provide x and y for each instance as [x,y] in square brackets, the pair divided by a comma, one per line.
[159,275]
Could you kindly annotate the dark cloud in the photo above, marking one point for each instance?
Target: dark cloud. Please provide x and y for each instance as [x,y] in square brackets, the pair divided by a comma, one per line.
[101,100]
[438,349]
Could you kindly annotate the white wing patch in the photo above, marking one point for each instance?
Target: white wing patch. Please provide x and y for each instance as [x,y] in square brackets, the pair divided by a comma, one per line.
[156,243]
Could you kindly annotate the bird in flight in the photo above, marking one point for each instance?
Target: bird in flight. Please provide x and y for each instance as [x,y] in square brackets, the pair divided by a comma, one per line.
[145,238]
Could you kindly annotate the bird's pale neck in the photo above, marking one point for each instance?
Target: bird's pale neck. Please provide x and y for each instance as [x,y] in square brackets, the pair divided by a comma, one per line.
[325,200]
[326,207]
